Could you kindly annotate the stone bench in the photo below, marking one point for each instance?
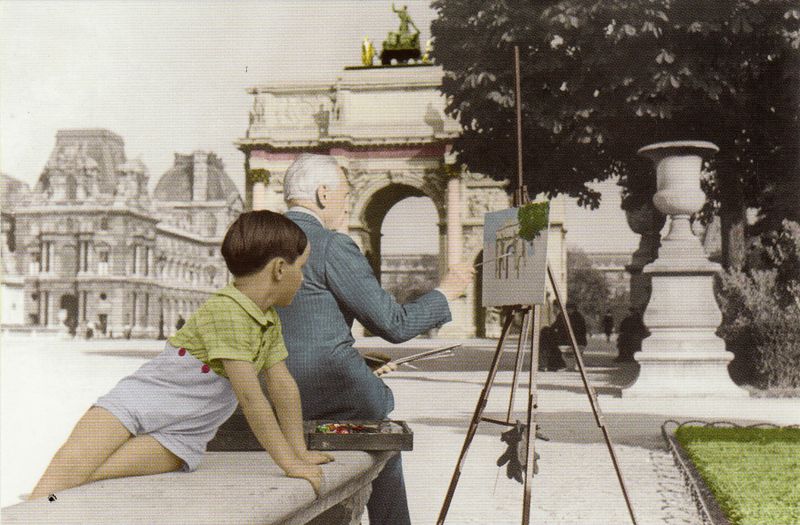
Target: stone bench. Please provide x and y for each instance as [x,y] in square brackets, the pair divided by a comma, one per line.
[228,488]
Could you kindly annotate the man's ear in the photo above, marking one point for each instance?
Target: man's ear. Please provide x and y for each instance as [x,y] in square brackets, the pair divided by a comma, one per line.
[322,196]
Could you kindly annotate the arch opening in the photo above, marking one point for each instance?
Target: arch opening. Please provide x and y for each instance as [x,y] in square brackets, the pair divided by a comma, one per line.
[404,246]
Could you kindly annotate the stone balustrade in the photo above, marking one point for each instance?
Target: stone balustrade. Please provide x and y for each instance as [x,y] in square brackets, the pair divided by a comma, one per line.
[229,488]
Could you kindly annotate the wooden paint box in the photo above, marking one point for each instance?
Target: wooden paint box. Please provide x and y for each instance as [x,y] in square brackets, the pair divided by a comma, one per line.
[362,434]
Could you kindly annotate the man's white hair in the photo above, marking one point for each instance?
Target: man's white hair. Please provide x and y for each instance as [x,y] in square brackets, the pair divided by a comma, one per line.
[307,173]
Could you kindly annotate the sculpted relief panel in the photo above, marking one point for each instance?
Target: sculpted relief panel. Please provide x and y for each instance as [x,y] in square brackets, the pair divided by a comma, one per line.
[293,111]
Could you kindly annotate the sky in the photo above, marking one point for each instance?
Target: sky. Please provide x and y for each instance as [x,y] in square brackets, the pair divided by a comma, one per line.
[171,77]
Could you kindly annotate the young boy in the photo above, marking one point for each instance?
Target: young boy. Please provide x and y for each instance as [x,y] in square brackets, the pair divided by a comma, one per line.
[160,418]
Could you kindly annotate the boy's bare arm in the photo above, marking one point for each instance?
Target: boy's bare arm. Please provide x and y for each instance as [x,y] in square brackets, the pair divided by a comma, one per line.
[258,412]
[285,396]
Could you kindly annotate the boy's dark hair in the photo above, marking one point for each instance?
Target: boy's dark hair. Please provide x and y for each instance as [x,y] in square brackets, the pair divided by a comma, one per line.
[257,237]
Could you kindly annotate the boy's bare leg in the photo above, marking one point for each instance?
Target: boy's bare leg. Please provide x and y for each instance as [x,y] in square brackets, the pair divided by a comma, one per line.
[93,440]
[139,456]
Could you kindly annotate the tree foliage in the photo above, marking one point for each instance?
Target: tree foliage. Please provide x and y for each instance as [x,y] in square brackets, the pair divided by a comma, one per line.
[533,219]
[602,78]
[760,306]
[587,288]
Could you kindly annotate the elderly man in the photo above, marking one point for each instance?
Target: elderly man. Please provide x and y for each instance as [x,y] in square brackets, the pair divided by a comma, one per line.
[339,286]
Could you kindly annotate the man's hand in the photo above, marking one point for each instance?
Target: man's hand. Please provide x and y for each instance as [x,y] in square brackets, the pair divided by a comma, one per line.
[380,363]
[308,472]
[391,366]
[454,284]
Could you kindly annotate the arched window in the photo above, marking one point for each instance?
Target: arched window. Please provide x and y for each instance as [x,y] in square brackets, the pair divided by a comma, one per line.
[511,250]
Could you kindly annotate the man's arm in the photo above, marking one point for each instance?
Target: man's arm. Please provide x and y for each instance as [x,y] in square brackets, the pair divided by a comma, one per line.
[350,278]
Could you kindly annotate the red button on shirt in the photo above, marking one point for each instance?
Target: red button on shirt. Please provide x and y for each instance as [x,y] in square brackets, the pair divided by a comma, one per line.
[182,352]
[205,369]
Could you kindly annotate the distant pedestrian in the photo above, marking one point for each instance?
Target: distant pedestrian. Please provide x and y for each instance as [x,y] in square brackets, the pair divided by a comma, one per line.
[550,356]
[631,333]
[608,326]
[89,330]
[179,324]
[578,324]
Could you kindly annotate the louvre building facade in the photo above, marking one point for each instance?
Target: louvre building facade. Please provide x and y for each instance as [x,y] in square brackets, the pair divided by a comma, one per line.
[89,246]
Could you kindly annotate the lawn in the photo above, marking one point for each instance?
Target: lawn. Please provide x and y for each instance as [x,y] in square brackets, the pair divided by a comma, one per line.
[754,473]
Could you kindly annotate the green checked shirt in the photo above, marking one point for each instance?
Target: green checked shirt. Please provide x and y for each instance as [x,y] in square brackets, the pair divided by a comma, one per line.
[229,325]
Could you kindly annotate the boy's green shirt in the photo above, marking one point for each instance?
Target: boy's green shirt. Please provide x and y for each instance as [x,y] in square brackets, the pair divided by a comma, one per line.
[229,325]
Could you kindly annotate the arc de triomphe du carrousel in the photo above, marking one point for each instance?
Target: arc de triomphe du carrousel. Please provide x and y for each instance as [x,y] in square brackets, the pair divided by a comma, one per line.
[387,127]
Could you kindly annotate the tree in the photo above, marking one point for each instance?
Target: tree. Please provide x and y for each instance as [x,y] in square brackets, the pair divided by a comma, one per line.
[760,306]
[587,288]
[601,78]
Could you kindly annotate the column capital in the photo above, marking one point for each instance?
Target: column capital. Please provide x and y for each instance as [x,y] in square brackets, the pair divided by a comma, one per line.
[452,170]
[256,175]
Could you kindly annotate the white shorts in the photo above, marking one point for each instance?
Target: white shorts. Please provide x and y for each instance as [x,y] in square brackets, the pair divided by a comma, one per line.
[177,400]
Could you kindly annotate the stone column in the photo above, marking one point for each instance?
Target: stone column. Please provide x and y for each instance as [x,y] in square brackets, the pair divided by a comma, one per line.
[461,324]
[455,241]
[265,184]
[683,356]
[259,196]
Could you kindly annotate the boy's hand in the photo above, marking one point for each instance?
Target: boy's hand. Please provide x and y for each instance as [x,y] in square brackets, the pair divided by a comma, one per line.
[308,472]
[315,458]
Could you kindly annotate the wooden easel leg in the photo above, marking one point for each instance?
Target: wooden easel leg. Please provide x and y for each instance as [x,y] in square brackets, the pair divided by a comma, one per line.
[532,407]
[592,395]
[523,339]
[476,418]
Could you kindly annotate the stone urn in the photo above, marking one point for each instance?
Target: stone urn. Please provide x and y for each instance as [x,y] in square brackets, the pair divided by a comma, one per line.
[683,356]
[678,195]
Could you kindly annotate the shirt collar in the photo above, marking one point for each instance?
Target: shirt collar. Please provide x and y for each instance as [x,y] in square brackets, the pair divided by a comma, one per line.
[247,304]
[303,209]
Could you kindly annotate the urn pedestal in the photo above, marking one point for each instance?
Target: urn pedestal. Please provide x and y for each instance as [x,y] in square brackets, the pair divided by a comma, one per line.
[683,356]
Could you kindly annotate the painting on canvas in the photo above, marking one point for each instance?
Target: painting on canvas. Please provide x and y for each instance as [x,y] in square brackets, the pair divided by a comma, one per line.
[514,270]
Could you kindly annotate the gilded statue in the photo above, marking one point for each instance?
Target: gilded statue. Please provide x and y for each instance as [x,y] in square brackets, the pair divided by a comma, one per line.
[401,45]
[426,58]
[367,52]
[405,20]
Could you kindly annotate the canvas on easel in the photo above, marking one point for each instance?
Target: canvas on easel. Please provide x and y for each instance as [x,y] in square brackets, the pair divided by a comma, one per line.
[514,269]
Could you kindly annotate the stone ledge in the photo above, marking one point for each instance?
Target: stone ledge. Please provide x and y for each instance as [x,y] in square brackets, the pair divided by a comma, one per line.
[228,488]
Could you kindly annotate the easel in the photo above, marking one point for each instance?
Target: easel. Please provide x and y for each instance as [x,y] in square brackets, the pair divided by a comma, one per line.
[529,332]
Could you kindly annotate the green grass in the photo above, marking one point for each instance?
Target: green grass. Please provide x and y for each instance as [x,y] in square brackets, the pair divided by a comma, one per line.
[754,473]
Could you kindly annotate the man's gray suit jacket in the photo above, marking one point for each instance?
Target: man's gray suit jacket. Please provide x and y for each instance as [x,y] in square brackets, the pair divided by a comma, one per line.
[339,286]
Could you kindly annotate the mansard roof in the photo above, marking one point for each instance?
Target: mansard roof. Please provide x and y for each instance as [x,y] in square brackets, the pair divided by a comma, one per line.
[11,191]
[177,184]
[94,149]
